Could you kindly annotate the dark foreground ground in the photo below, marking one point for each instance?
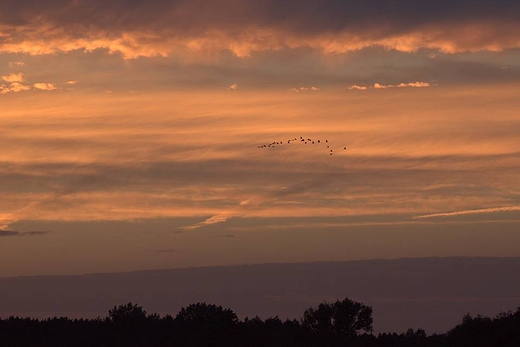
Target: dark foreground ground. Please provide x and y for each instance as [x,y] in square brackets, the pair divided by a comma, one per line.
[420,293]
[343,323]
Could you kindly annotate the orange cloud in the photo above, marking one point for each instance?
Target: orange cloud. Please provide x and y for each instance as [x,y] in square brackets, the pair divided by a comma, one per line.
[14,87]
[386,86]
[414,84]
[305,89]
[382,86]
[133,44]
[356,87]
[45,86]
[246,27]
[14,77]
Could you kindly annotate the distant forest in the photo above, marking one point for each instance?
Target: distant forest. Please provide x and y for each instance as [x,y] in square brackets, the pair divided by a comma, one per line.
[341,323]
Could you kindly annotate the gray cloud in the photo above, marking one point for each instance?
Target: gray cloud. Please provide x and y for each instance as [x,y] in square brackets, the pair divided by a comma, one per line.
[310,16]
[7,233]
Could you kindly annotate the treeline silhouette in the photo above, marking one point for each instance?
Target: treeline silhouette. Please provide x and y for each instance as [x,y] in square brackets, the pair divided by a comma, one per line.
[342,323]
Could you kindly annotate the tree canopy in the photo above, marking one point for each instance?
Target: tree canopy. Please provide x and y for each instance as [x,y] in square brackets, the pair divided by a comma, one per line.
[338,324]
[343,318]
[201,314]
[128,313]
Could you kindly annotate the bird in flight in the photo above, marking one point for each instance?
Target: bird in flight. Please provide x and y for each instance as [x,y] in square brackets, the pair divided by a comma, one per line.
[300,140]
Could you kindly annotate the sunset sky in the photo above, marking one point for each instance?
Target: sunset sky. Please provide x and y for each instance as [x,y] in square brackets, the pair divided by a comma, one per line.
[130,132]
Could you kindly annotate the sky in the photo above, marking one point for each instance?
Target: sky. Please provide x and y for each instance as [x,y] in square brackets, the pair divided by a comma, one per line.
[166,134]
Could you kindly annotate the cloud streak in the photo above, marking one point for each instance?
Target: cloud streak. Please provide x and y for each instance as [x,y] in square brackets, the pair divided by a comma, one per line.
[471,212]
[376,85]
[243,27]
[219,218]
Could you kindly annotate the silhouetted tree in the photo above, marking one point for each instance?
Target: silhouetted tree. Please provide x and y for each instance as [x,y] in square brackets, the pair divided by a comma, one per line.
[127,314]
[343,319]
[340,324]
[480,331]
[203,324]
[202,314]
[130,325]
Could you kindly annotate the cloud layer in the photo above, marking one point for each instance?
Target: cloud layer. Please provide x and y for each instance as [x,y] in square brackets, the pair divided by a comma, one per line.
[417,108]
[407,152]
[244,27]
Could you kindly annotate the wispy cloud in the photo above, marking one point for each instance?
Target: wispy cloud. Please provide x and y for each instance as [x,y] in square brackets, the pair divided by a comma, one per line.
[219,218]
[305,89]
[15,64]
[416,84]
[413,85]
[471,212]
[234,86]
[93,166]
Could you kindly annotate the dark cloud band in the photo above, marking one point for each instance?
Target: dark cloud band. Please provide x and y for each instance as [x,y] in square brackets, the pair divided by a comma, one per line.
[159,27]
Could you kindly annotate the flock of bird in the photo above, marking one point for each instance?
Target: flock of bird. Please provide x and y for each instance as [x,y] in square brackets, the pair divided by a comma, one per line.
[301,140]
